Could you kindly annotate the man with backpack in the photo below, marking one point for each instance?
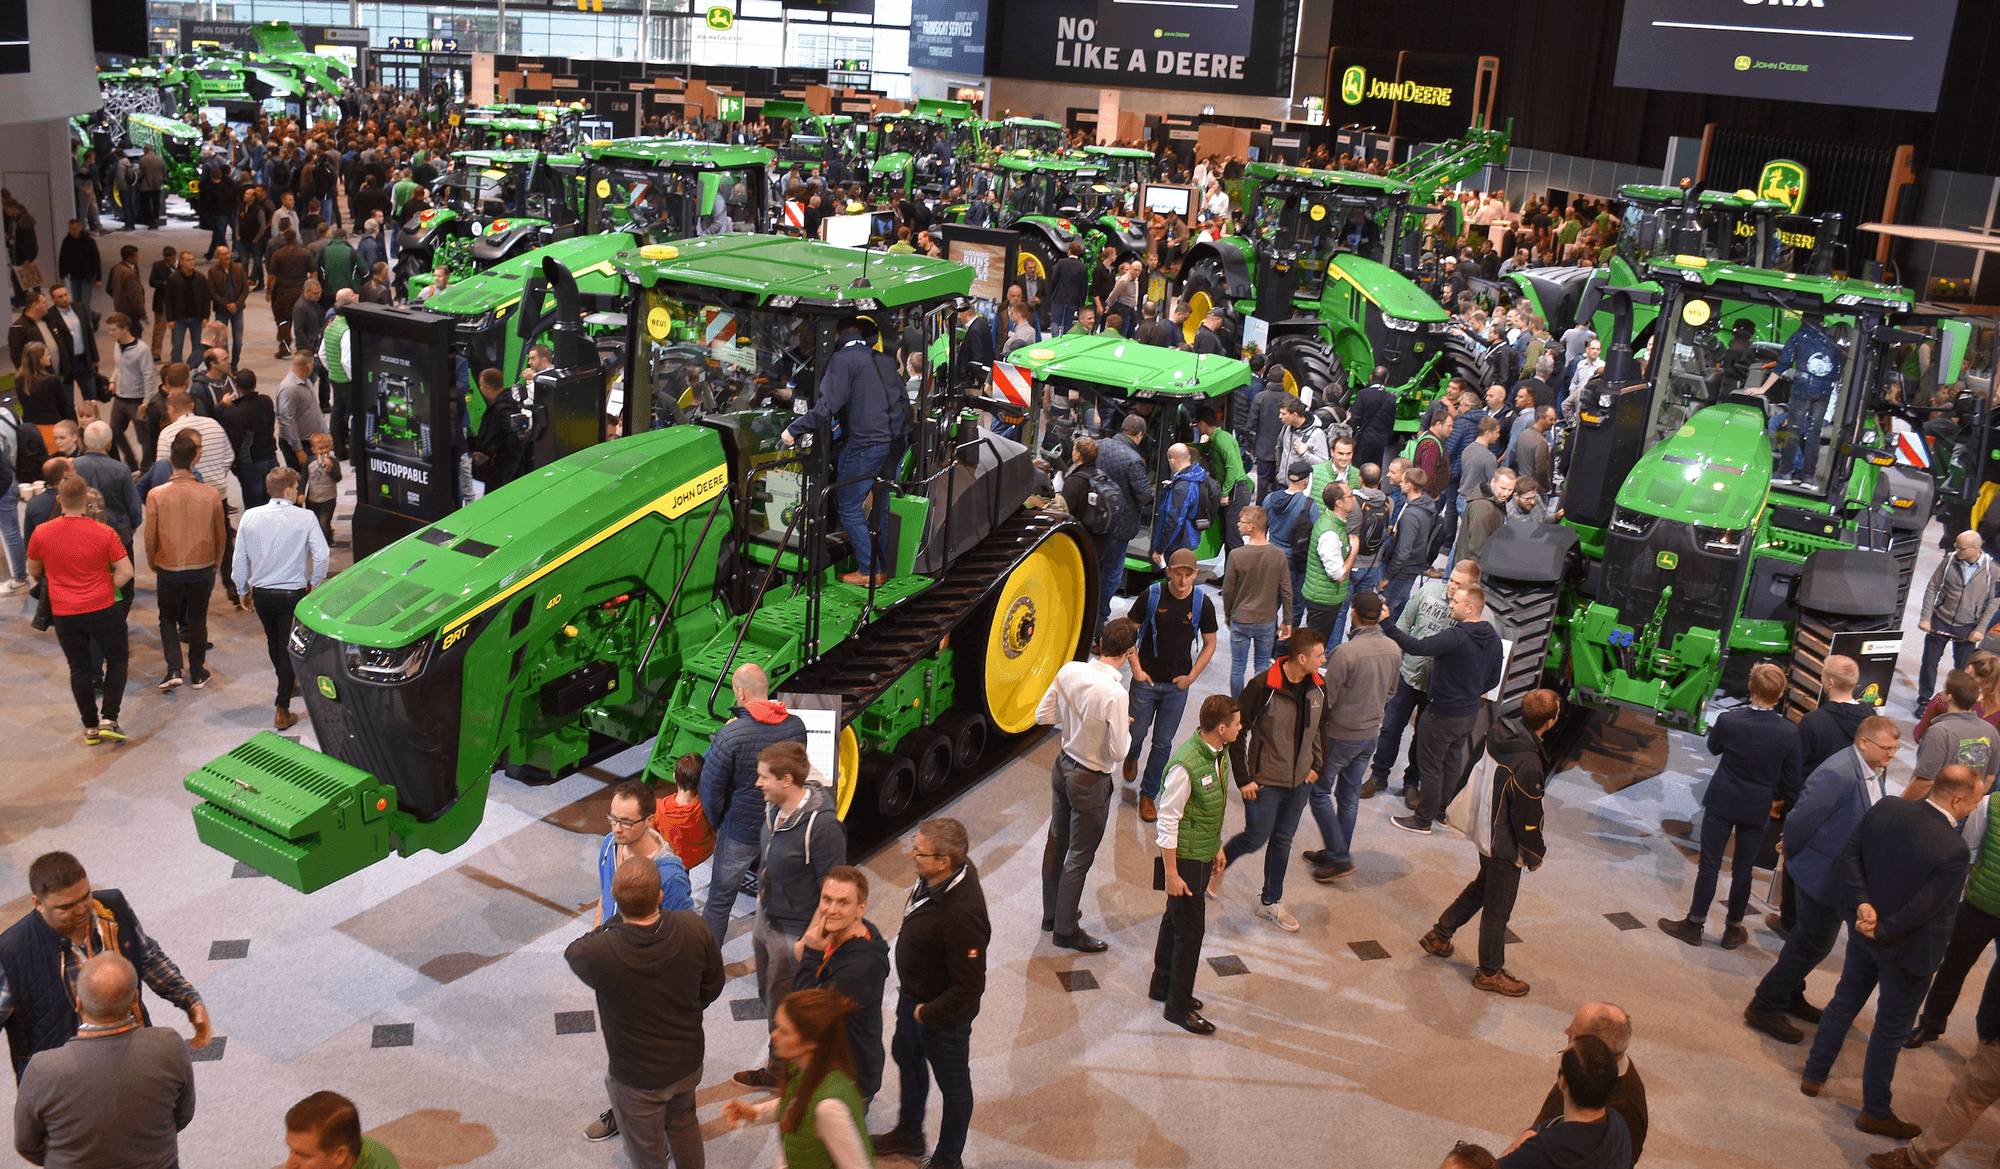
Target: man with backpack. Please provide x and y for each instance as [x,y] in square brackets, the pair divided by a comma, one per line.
[1100,504]
[1188,504]
[1290,514]
[1417,537]
[1177,631]
[1302,437]
[1373,517]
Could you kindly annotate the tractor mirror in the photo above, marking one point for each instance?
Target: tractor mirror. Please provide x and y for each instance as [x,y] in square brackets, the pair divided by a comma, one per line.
[1954,337]
[1649,234]
[528,315]
[711,182]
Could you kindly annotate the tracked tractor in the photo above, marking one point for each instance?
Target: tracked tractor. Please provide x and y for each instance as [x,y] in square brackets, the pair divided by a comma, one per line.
[1704,528]
[606,600]
[1329,272]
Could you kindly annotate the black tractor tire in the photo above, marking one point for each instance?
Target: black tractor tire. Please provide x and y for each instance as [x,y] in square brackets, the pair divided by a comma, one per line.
[1812,644]
[893,779]
[1206,276]
[966,731]
[1527,613]
[931,753]
[1463,358]
[1311,362]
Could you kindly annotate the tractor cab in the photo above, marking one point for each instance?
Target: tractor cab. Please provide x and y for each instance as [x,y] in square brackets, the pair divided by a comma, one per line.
[809,138]
[1125,168]
[490,206]
[177,143]
[908,153]
[1030,134]
[1090,383]
[662,190]
[483,131]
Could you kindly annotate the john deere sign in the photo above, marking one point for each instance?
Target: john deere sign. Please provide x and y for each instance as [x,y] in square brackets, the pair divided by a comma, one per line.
[1428,96]
[1784,181]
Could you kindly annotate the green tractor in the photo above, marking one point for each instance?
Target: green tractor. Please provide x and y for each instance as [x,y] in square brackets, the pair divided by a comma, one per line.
[1092,381]
[1687,551]
[808,138]
[1125,168]
[178,145]
[662,190]
[1034,135]
[491,205]
[1054,200]
[1330,275]
[605,600]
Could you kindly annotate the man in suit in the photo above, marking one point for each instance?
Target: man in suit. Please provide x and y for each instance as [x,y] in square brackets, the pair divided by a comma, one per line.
[1905,868]
[1826,730]
[1756,776]
[1837,795]
[1977,1086]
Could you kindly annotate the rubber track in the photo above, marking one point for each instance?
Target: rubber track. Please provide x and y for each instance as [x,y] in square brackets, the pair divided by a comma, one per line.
[1812,643]
[863,667]
[1527,614]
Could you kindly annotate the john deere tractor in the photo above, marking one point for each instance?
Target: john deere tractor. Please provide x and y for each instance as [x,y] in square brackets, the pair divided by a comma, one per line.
[1054,200]
[1035,135]
[661,190]
[808,138]
[178,145]
[1688,551]
[490,206]
[1329,271]
[606,600]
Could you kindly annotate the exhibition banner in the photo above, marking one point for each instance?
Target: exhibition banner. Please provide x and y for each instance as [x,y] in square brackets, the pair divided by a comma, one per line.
[949,35]
[1427,97]
[1215,46]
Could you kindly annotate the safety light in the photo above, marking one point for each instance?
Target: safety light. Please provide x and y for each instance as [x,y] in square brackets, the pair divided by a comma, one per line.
[387,665]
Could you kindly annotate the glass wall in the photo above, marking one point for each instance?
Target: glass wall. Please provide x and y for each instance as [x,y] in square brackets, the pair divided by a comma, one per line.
[677,30]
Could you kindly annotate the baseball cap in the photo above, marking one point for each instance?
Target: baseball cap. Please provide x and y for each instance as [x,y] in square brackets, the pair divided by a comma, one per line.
[1183,558]
[1299,472]
[1368,606]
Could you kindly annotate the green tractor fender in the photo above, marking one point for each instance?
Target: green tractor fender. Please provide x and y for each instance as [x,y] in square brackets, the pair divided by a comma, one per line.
[509,237]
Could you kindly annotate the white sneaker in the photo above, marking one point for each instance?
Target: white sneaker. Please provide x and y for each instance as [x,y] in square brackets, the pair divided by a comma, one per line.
[17,585]
[1276,913]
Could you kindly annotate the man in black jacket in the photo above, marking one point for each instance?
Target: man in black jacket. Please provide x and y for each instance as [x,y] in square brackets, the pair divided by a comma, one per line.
[842,950]
[654,972]
[1756,775]
[1069,284]
[1905,869]
[186,304]
[1520,774]
[975,346]
[1465,665]
[1374,422]
[729,796]
[79,264]
[941,967]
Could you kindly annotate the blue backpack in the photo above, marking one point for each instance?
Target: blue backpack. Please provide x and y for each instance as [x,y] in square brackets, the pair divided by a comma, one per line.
[1147,637]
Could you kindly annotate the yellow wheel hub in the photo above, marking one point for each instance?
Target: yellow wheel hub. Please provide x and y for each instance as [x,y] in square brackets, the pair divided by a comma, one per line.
[849,766]
[1198,306]
[1036,626]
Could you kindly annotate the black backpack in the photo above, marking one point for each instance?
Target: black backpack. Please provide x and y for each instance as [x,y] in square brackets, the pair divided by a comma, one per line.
[1372,518]
[1105,508]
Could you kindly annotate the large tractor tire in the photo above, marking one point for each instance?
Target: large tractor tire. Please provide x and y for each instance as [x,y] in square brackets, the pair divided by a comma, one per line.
[1464,358]
[1840,590]
[1523,571]
[965,730]
[930,752]
[1309,361]
[1204,285]
[893,779]
[1040,619]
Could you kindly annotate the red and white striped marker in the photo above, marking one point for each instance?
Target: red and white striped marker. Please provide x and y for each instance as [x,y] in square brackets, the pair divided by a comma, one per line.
[1015,382]
[795,215]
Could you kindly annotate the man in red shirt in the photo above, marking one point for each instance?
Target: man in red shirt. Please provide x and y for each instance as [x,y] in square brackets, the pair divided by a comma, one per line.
[84,566]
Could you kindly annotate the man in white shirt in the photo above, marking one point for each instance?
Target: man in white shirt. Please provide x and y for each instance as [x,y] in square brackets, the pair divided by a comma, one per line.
[1089,703]
[280,556]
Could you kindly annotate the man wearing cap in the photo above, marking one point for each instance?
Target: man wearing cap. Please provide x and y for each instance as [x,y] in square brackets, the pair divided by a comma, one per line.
[861,386]
[1290,513]
[1207,339]
[1177,630]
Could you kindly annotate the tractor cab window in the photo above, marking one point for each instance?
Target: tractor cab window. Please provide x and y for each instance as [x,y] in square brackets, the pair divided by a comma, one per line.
[665,205]
[480,190]
[1317,241]
[1685,363]
[1032,194]
[1822,375]
[1637,215]
[700,357]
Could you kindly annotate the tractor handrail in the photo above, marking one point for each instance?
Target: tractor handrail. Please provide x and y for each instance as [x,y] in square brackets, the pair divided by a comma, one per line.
[639,671]
[763,587]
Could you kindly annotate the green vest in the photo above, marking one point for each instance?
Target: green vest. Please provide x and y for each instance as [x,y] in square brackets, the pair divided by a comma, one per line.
[803,1149]
[1319,587]
[1323,475]
[1225,461]
[1208,798]
[329,349]
[1984,889]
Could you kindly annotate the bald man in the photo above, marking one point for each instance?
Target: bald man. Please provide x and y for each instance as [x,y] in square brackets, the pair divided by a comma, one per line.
[1611,1024]
[1180,506]
[119,1093]
[1958,609]
[729,795]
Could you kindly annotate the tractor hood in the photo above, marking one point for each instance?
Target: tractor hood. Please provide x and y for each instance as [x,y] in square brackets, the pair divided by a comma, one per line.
[890,164]
[1385,288]
[1714,471]
[488,551]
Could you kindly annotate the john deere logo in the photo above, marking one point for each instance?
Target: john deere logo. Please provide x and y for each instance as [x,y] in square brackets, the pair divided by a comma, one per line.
[721,19]
[1743,64]
[326,688]
[1784,181]
[1353,84]
[1667,561]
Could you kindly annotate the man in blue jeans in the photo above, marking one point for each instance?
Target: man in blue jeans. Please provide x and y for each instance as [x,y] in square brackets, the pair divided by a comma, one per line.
[1275,762]
[1256,597]
[1360,677]
[862,388]
[1173,618]
[729,795]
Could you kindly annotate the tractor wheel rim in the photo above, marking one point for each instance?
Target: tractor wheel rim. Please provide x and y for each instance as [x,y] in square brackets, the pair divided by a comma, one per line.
[1036,626]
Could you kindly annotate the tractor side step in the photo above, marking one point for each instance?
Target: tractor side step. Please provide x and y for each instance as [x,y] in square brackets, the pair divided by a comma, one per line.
[292,813]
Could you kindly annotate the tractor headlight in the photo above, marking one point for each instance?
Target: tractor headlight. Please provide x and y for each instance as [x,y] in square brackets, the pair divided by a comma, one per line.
[387,665]
[1400,326]
[1728,541]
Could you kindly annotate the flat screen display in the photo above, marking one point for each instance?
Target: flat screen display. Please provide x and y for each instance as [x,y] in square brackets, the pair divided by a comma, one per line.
[849,231]
[1841,52]
[949,35]
[1215,46]
[1167,200]
[398,403]
[988,263]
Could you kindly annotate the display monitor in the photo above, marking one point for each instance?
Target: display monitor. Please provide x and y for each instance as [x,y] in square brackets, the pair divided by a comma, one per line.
[1167,200]
[1888,56]
[849,231]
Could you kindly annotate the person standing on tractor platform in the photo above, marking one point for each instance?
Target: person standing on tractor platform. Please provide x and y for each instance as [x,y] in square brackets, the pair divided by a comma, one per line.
[1225,465]
[1088,703]
[1192,803]
[1756,775]
[1814,359]
[862,388]
[1959,607]
[1177,629]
